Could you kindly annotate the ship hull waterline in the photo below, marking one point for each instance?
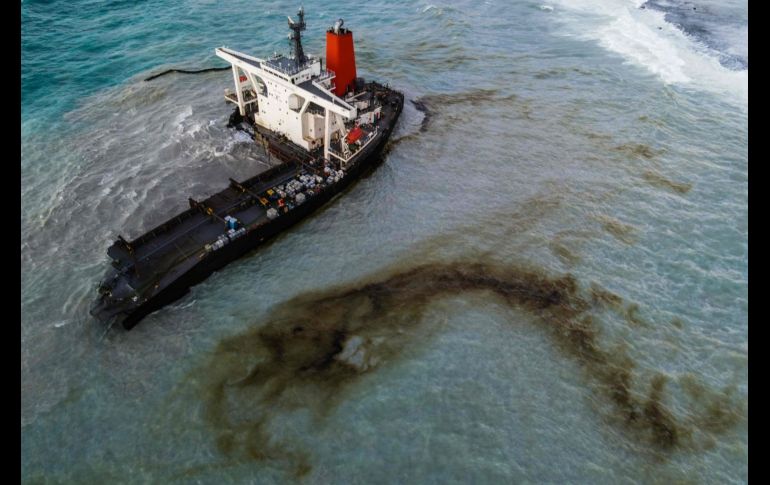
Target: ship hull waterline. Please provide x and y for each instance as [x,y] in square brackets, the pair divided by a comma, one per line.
[370,157]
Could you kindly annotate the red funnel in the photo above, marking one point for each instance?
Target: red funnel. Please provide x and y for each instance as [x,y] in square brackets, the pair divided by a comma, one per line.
[341,59]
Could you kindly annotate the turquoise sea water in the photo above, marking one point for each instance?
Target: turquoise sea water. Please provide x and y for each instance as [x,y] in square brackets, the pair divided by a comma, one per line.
[590,147]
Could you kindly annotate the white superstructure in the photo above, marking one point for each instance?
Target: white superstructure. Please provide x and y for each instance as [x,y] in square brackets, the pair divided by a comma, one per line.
[295,100]
[295,97]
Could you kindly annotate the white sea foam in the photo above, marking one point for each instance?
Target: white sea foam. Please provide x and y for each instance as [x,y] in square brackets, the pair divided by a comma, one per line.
[241,137]
[644,38]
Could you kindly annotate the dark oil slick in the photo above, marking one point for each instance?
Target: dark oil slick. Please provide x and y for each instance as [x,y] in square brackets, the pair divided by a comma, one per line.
[658,180]
[622,232]
[317,346]
[637,150]
[566,244]
[432,104]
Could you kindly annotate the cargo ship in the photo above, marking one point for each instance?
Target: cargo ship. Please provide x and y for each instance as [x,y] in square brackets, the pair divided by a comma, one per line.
[324,125]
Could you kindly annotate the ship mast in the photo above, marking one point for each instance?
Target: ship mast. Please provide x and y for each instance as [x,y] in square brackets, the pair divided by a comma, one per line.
[295,37]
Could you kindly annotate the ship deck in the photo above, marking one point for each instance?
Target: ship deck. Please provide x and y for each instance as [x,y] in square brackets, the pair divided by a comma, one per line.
[144,261]
[186,234]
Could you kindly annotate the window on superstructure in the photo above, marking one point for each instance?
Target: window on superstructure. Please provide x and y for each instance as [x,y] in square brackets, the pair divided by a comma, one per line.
[261,86]
[314,109]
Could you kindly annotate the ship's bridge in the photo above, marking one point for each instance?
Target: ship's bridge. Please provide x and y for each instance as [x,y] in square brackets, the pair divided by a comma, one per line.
[286,66]
[278,91]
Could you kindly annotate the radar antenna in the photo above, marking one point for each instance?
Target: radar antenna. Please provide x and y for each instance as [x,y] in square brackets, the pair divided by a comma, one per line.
[338,26]
[295,37]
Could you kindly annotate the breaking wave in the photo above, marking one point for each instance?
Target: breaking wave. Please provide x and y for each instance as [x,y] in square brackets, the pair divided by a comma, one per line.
[644,37]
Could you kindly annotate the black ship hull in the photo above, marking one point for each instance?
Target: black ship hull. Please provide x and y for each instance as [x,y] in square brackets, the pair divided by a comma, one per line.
[367,159]
[252,241]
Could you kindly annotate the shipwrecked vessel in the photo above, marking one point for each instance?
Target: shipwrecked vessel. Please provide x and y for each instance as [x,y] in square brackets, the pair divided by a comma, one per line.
[324,124]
